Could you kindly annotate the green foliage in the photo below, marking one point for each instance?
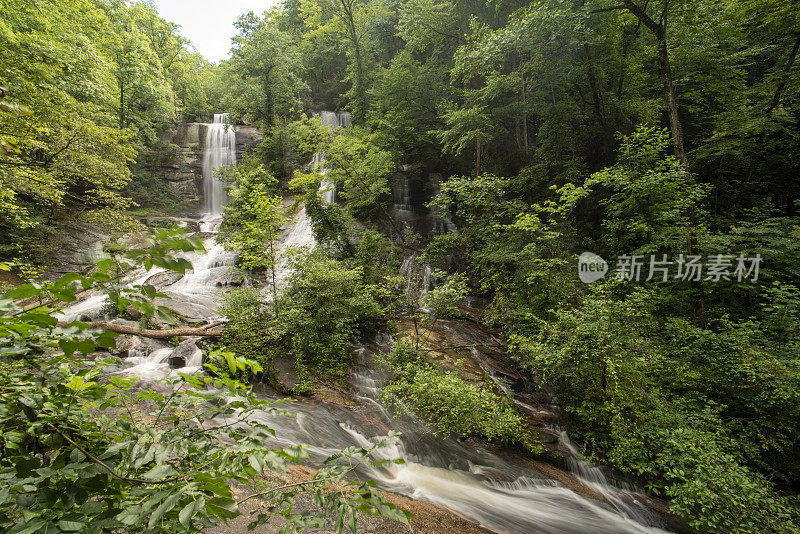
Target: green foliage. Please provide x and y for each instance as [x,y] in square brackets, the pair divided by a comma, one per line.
[265,60]
[441,300]
[361,172]
[309,136]
[654,200]
[93,85]
[247,332]
[453,406]
[695,411]
[323,309]
[377,256]
[691,385]
[252,225]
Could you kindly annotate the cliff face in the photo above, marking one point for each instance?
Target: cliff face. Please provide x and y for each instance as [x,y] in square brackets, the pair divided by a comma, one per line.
[180,167]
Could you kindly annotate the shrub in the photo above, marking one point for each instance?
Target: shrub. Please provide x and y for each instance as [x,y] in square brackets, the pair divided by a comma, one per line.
[453,406]
[247,332]
[697,412]
[323,309]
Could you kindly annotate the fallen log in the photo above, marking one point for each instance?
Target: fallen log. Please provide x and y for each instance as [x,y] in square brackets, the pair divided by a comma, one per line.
[186,331]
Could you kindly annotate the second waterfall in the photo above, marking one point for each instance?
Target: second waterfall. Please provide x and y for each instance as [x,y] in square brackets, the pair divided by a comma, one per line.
[220,151]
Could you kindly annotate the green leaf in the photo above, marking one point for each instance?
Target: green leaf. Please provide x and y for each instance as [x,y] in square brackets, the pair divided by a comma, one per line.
[222,507]
[23,291]
[68,346]
[28,527]
[86,346]
[71,526]
[190,510]
[168,504]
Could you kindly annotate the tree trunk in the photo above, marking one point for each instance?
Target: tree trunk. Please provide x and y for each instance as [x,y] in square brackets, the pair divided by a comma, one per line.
[187,331]
[524,117]
[659,29]
[268,105]
[669,98]
[477,156]
[121,104]
[360,90]
[593,85]
[274,285]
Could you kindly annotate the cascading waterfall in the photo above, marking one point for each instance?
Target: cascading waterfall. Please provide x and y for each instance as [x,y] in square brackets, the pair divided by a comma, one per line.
[301,233]
[220,151]
[335,121]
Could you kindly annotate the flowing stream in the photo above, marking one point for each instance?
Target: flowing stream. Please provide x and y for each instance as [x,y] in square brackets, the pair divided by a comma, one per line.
[502,494]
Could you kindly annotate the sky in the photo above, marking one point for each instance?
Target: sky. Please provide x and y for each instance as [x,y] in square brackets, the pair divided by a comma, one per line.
[209,23]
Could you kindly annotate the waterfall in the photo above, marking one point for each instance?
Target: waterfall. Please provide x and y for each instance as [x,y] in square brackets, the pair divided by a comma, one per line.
[334,120]
[220,151]
[401,193]
[301,233]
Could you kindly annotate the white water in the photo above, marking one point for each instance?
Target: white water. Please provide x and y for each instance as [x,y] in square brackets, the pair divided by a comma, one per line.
[462,477]
[335,121]
[220,152]
[401,193]
[417,275]
[300,234]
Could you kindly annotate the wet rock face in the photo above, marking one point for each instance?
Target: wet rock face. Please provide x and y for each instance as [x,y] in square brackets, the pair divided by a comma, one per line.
[79,245]
[162,280]
[411,193]
[132,346]
[286,372]
[247,138]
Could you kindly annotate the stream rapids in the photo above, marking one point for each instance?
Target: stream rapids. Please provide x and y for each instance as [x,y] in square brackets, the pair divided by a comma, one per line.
[468,478]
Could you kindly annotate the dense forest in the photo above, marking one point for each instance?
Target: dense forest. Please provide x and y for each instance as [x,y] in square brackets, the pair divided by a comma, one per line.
[492,144]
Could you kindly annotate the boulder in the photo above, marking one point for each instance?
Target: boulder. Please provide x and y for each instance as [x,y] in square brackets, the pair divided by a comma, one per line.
[164,279]
[285,372]
[187,353]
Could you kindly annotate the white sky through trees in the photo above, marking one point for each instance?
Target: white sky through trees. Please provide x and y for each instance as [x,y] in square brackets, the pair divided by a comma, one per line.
[209,23]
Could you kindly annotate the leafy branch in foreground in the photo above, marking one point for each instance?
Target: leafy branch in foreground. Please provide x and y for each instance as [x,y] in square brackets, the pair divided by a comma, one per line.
[82,450]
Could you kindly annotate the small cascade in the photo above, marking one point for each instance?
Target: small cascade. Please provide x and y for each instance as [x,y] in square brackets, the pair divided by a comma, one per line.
[335,120]
[417,275]
[401,193]
[472,481]
[220,152]
[149,367]
[300,235]
[621,496]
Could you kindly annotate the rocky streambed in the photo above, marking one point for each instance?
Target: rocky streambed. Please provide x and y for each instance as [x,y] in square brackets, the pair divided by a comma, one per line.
[462,482]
